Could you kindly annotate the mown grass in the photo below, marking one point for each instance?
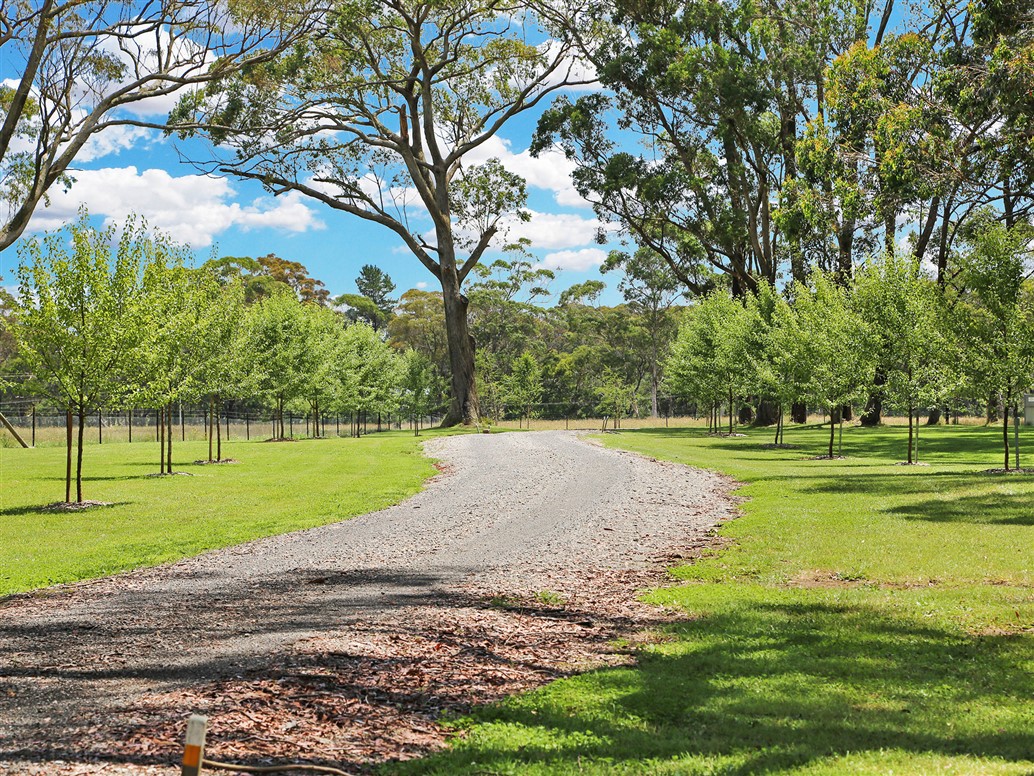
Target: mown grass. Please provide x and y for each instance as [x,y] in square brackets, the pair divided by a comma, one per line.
[864,618]
[275,487]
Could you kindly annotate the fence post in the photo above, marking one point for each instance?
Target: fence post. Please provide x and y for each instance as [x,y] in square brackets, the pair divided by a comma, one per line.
[183,425]
[247,424]
[100,428]
[194,748]
[33,425]
[290,423]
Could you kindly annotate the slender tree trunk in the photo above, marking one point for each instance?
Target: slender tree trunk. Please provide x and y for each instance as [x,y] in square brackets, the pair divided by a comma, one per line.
[211,431]
[730,412]
[218,429]
[909,457]
[653,383]
[79,456]
[168,419]
[160,411]
[917,438]
[1005,432]
[68,454]
[1016,433]
[832,431]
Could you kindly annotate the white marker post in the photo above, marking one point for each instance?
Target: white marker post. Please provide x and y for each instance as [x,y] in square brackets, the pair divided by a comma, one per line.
[194,751]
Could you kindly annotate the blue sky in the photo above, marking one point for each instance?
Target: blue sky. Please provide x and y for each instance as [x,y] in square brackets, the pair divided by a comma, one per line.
[131,170]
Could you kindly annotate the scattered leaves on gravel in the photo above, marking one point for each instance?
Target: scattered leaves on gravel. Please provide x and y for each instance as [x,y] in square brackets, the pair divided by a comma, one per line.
[379,690]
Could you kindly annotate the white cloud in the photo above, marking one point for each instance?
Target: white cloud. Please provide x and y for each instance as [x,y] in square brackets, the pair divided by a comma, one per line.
[556,230]
[546,231]
[421,285]
[550,171]
[114,140]
[190,208]
[578,261]
[580,73]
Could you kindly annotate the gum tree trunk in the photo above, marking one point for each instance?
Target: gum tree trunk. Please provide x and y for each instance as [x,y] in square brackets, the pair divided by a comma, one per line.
[463,406]
[766,413]
[873,413]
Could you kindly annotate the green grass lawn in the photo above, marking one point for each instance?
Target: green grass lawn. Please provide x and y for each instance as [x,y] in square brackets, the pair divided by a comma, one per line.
[865,618]
[276,487]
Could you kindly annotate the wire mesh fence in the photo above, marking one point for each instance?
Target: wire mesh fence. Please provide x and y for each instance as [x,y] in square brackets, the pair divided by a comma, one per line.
[41,426]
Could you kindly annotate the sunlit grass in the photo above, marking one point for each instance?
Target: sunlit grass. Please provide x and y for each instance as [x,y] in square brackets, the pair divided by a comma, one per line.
[864,618]
[275,487]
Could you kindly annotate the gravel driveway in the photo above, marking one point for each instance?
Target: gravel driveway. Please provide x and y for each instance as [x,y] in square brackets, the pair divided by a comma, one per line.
[510,511]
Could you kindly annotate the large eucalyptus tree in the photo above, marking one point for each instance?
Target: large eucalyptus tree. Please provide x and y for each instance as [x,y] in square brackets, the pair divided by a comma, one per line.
[378,115]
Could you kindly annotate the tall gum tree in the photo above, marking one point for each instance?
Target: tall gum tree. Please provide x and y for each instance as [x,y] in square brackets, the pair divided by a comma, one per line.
[716,95]
[377,115]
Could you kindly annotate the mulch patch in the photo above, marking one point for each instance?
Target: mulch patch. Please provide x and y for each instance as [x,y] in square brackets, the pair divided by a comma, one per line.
[74,506]
[377,691]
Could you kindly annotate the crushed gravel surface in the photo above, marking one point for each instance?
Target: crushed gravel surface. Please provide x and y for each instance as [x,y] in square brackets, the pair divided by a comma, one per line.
[529,546]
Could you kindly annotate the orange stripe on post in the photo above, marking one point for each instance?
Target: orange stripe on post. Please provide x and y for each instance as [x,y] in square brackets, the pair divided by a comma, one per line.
[194,748]
[192,756]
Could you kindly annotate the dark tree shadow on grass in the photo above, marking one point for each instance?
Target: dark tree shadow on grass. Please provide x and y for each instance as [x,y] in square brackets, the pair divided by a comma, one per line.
[50,509]
[773,687]
[986,509]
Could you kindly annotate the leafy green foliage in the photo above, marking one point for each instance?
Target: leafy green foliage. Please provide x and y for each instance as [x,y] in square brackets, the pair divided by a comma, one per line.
[77,318]
[523,388]
[996,319]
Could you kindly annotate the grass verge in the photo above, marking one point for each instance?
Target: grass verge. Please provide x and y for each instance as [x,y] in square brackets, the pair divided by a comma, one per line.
[275,488]
[863,618]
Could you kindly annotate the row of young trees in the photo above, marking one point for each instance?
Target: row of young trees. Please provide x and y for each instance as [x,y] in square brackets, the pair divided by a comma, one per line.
[893,331]
[117,318]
